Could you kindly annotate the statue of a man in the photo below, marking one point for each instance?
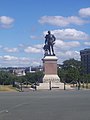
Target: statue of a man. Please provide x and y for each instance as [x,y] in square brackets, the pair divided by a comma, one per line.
[50,41]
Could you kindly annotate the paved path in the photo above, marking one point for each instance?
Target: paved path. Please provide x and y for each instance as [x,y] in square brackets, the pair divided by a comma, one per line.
[45,105]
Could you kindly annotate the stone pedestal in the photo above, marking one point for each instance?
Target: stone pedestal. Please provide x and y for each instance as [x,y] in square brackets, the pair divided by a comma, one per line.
[50,69]
[50,80]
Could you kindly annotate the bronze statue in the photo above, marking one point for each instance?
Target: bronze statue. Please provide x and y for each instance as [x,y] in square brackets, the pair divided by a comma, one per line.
[49,42]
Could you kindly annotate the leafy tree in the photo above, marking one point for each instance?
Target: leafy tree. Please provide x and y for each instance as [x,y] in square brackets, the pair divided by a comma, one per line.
[71,63]
[72,74]
[62,74]
[6,78]
[70,70]
[34,77]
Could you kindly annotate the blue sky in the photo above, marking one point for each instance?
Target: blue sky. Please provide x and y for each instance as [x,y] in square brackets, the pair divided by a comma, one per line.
[24,23]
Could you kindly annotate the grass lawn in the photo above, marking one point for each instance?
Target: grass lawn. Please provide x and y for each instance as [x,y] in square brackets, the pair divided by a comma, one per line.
[87,86]
[6,88]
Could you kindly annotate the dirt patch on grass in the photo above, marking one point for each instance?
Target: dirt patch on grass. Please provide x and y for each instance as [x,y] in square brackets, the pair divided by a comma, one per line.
[7,88]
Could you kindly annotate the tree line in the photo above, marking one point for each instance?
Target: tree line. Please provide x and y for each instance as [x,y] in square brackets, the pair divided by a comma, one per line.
[69,72]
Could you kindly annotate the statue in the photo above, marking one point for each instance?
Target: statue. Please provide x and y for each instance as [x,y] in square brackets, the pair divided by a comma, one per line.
[49,42]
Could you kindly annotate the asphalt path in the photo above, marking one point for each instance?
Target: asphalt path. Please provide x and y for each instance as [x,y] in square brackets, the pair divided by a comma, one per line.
[45,105]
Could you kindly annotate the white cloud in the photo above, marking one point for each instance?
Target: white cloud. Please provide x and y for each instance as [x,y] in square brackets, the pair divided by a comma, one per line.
[65,55]
[39,46]
[66,45]
[11,49]
[5,21]
[1,46]
[12,61]
[70,34]
[66,50]
[0,57]
[35,63]
[9,58]
[76,20]
[30,49]
[84,12]
[87,43]
[61,21]
[74,54]
[23,61]
[36,37]
[54,20]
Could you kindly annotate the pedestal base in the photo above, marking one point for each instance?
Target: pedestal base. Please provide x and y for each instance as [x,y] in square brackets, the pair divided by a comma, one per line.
[50,86]
[51,78]
[53,86]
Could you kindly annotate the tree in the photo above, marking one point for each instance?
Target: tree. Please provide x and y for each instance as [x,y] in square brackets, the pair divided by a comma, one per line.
[62,74]
[6,78]
[71,63]
[34,77]
[70,70]
[72,74]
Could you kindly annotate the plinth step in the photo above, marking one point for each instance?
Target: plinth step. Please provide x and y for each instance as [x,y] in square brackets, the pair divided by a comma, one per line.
[52,85]
[48,86]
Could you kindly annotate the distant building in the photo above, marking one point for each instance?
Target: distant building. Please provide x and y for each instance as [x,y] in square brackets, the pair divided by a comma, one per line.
[19,72]
[85,60]
[33,69]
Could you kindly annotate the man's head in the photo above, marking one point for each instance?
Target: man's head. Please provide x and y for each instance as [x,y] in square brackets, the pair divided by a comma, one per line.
[49,32]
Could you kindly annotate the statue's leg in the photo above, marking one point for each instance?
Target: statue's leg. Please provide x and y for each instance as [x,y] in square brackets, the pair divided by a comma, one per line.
[49,49]
[52,49]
